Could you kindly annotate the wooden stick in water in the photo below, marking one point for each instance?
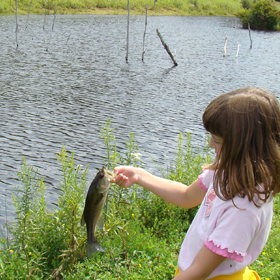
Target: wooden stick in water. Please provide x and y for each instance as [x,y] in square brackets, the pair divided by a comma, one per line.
[16,24]
[238,45]
[68,39]
[250,35]
[47,49]
[53,18]
[45,15]
[28,14]
[166,48]
[144,34]
[225,47]
[127,33]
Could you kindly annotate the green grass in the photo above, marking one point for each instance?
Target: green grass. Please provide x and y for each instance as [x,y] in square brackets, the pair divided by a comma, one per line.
[142,234]
[161,7]
[268,263]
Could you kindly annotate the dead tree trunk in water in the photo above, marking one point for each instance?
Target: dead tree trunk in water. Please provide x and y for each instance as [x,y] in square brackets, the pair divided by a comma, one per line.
[28,14]
[144,34]
[47,49]
[127,34]
[238,45]
[250,35]
[166,48]
[54,14]
[45,15]
[16,24]
[225,47]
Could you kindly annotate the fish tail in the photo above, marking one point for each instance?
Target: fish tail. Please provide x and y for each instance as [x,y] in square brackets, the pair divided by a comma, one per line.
[92,247]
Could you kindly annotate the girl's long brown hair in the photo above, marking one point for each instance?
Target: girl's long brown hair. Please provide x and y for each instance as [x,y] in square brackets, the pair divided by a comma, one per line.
[248,164]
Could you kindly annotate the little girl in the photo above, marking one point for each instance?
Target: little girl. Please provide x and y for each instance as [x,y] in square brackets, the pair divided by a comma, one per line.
[235,192]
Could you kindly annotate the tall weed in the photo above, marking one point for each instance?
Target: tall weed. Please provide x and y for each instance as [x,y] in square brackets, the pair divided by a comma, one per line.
[22,251]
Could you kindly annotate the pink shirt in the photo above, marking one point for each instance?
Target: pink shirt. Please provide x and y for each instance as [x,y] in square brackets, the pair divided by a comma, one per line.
[238,234]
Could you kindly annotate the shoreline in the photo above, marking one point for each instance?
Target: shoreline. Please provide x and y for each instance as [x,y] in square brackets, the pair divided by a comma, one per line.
[107,11]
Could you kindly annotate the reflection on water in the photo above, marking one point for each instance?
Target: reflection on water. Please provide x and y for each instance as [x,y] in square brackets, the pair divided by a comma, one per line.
[60,88]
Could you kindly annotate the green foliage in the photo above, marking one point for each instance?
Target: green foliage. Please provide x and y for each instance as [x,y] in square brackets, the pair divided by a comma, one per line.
[69,212]
[44,242]
[262,15]
[247,4]
[162,7]
[188,162]
[110,144]
[140,255]
[267,265]
[5,8]
[72,190]
[30,204]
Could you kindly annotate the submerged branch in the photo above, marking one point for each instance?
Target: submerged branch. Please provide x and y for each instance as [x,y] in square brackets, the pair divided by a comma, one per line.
[250,35]
[144,34]
[127,32]
[16,24]
[166,48]
[28,14]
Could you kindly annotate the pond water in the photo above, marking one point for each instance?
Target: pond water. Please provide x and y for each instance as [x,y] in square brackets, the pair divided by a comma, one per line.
[60,87]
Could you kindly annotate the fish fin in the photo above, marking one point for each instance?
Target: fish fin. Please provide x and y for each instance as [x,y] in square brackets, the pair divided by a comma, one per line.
[93,247]
[83,220]
[100,222]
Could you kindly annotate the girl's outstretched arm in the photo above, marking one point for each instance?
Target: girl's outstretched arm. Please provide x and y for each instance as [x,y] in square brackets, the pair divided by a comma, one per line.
[202,266]
[173,192]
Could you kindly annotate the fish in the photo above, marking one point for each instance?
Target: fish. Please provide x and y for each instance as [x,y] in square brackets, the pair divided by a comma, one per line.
[94,203]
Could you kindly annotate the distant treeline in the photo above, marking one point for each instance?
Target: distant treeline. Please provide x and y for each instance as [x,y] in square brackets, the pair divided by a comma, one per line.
[155,7]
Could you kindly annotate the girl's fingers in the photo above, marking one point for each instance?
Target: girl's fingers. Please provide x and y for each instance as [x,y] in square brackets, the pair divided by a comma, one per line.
[121,180]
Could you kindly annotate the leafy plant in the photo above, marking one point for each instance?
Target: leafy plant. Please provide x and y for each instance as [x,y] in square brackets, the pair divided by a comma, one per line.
[69,212]
[30,204]
[263,15]
[109,138]
[44,242]
[247,4]
[267,265]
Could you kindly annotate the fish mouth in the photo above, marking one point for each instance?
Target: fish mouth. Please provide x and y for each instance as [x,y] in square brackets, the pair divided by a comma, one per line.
[111,175]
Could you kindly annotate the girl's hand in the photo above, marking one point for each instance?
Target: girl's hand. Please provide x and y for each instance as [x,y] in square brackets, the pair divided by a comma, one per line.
[126,176]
